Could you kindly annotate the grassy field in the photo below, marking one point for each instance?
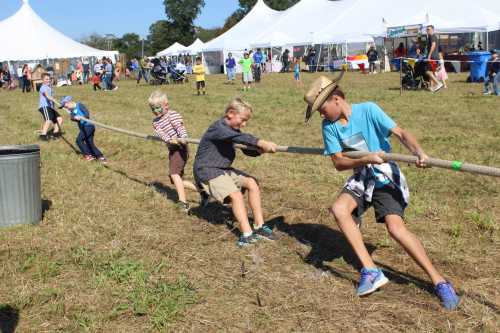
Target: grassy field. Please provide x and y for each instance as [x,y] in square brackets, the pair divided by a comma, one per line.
[112,253]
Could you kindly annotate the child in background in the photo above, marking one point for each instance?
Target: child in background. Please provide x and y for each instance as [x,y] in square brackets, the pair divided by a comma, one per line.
[96,81]
[246,67]
[85,138]
[296,71]
[169,126]
[214,174]
[199,71]
[46,108]
[230,68]
[441,71]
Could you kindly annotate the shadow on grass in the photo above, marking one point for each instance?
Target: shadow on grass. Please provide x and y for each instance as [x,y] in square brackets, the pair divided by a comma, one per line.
[46,204]
[326,244]
[76,151]
[9,318]
[403,278]
[166,191]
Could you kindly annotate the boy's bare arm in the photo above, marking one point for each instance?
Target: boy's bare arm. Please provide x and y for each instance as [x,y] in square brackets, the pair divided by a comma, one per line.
[342,162]
[410,142]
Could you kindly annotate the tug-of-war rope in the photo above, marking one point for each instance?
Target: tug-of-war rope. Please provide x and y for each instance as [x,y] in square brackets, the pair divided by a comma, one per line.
[435,162]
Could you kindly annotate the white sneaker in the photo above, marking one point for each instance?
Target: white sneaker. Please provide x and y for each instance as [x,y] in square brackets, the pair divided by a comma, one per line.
[487,93]
[439,86]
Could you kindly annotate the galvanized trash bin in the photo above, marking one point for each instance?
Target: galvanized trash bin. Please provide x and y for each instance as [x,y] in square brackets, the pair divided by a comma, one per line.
[20,200]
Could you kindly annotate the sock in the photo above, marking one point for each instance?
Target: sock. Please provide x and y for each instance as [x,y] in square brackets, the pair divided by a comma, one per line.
[257,227]
[247,234]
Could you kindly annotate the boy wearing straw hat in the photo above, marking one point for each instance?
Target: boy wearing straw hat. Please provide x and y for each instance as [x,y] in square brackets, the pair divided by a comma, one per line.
[365,127]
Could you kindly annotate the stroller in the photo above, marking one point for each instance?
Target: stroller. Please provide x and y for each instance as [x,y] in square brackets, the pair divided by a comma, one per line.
[414,76]
[177,76]
[159,74]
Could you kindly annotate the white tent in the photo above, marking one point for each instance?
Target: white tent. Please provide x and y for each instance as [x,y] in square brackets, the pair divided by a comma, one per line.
[238,38]
[196,47]
[298,24]
[26,36]
[173,50]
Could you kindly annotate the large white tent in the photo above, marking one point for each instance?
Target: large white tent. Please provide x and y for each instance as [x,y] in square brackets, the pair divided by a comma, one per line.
[173,50]
[26,36]
[238,38]
[298,24]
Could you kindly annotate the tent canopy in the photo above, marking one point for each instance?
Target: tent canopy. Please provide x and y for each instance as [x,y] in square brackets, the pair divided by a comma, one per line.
[26,36]
[239,37]
[173,50]
[196,47]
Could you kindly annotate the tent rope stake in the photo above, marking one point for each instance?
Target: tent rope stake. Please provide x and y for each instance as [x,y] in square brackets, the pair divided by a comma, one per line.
[434,162]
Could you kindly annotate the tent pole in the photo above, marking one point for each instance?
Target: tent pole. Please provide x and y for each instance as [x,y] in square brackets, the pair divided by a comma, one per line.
[271,58]
[487,42]
[328,57]
[318,58]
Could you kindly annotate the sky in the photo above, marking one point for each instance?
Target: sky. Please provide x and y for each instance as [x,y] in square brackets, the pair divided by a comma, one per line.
[80,18]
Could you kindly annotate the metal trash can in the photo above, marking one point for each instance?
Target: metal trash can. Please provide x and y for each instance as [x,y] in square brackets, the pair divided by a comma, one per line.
[20,199]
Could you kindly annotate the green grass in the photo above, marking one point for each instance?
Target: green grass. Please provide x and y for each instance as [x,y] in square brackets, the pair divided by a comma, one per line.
[112,253]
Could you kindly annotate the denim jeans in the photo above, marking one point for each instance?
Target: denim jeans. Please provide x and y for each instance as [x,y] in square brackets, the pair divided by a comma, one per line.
[231,73]
[85,141]
[494,81]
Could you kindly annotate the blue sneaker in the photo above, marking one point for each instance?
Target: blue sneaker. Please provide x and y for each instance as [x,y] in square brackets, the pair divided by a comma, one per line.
[265,232]
[447,295]
[371,279]
[246,241]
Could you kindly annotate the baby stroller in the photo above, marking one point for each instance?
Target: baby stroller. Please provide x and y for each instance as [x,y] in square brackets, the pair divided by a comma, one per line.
[414,77]
[159,74]
[177,76]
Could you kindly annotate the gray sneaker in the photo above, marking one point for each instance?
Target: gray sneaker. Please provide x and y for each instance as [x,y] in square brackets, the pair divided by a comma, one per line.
[183,207]
[265,233]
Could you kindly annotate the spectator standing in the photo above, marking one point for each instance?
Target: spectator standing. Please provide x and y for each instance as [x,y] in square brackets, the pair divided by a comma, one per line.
[311,59]
[24,79]
[285,60]
[372,56]
[143,70]
[493,74]
[257,69]
[230,68]
[442,76]
[432,57]
[86,70]
[246,67]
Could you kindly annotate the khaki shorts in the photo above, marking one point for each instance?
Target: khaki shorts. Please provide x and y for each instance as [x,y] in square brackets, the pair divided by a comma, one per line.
[221,187]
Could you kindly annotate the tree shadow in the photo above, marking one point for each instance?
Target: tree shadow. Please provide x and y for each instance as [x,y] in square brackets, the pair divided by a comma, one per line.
[9,318]
[46,204]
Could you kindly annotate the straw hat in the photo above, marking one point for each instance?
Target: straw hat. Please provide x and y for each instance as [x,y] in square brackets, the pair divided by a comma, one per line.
[319,91]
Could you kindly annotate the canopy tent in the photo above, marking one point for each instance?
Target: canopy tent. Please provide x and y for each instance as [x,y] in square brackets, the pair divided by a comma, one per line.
[196,47]
[239,36]
[26,36]
[464,17]
[298,24]
[173,50]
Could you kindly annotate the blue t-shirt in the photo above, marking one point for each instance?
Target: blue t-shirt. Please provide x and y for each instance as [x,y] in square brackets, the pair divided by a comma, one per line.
[230,63]
[45,90]
[81,111]
[257,57]
[368,129]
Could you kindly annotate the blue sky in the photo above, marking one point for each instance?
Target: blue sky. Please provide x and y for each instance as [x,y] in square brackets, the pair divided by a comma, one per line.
[81,18]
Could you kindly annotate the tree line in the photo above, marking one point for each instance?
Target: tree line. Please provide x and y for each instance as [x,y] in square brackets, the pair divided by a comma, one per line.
[178,26]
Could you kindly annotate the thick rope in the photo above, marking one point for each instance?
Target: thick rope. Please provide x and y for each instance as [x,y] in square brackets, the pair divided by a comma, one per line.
[435,162]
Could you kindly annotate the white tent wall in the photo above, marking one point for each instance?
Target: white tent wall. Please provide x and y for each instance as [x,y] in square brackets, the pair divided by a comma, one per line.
[35,40]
